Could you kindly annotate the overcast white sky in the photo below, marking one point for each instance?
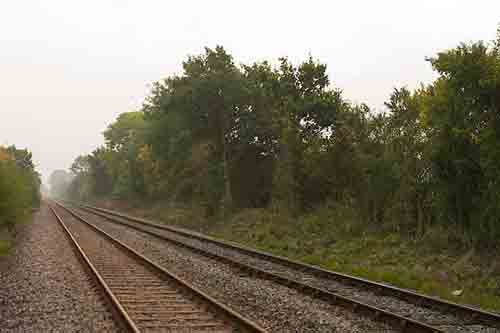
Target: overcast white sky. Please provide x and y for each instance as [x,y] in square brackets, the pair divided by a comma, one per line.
[68,68]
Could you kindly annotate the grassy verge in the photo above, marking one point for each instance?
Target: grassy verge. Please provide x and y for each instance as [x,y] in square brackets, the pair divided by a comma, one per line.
[4,247]
[8,238]
[5,242]
[432,264]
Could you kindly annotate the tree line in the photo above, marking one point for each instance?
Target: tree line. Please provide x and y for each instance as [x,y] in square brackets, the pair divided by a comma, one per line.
[281,136]
[19,185]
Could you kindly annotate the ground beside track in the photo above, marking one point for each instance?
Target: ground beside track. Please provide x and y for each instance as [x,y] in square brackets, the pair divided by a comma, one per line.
[44,287]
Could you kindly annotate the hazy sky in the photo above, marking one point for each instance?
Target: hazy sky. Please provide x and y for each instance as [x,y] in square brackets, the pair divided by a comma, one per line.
[68,68]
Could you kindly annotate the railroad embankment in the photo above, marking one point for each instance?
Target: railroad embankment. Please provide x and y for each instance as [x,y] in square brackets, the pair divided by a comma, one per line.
[437,263]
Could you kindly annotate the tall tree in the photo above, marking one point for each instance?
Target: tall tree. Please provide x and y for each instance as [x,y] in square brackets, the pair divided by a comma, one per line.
[203,100]
[306,108]
[463,115]
[124,138]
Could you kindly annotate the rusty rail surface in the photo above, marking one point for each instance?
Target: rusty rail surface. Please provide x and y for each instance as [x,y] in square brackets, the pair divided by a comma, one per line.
[402,323]
[119,313]
[147,296]
[478,315]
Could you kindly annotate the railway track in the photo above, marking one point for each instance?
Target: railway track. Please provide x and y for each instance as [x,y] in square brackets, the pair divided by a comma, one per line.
[143,295]
[409,311]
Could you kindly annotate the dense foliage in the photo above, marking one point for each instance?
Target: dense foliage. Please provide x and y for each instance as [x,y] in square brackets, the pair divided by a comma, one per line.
[19,185]
[229,137]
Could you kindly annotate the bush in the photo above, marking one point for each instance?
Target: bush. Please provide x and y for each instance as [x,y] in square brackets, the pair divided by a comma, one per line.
[16,193]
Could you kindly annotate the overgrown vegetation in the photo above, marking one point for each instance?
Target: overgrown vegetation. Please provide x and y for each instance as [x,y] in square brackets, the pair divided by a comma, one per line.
[436,264]
[432,264]
[225,137]
[275,157]
[19,189]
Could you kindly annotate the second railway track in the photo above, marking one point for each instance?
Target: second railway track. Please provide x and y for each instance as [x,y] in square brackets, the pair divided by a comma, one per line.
[409,308]
[146,296]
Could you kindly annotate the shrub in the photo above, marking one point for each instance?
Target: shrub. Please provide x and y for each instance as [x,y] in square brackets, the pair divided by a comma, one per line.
[16,193]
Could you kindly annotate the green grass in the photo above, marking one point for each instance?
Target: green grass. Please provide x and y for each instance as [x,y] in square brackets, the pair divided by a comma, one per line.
[7,238]
[4,247]
[335,240]
[423,265]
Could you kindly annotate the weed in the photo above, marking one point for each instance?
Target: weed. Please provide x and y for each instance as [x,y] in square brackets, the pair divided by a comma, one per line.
[335,239]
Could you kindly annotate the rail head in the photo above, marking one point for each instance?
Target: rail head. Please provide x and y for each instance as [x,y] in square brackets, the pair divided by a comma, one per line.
[117,308]
[395,320]
[487,317]
[246,324]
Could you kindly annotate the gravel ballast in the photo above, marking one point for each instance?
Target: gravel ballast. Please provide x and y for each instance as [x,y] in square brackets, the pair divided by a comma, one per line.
[44,287]
[445,321]
[275,307]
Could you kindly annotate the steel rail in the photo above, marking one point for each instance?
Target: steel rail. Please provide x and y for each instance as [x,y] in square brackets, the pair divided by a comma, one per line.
[395,320]
[117,308]
[479,315]
[246,325]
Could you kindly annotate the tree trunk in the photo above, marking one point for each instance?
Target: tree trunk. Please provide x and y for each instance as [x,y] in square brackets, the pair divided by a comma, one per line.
[284,192]
[227,199]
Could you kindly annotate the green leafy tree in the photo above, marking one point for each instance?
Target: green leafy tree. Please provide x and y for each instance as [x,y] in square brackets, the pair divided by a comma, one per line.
[306,109]
[226,137]
[124,138]
[462,113]
[19,186]
[201,104]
